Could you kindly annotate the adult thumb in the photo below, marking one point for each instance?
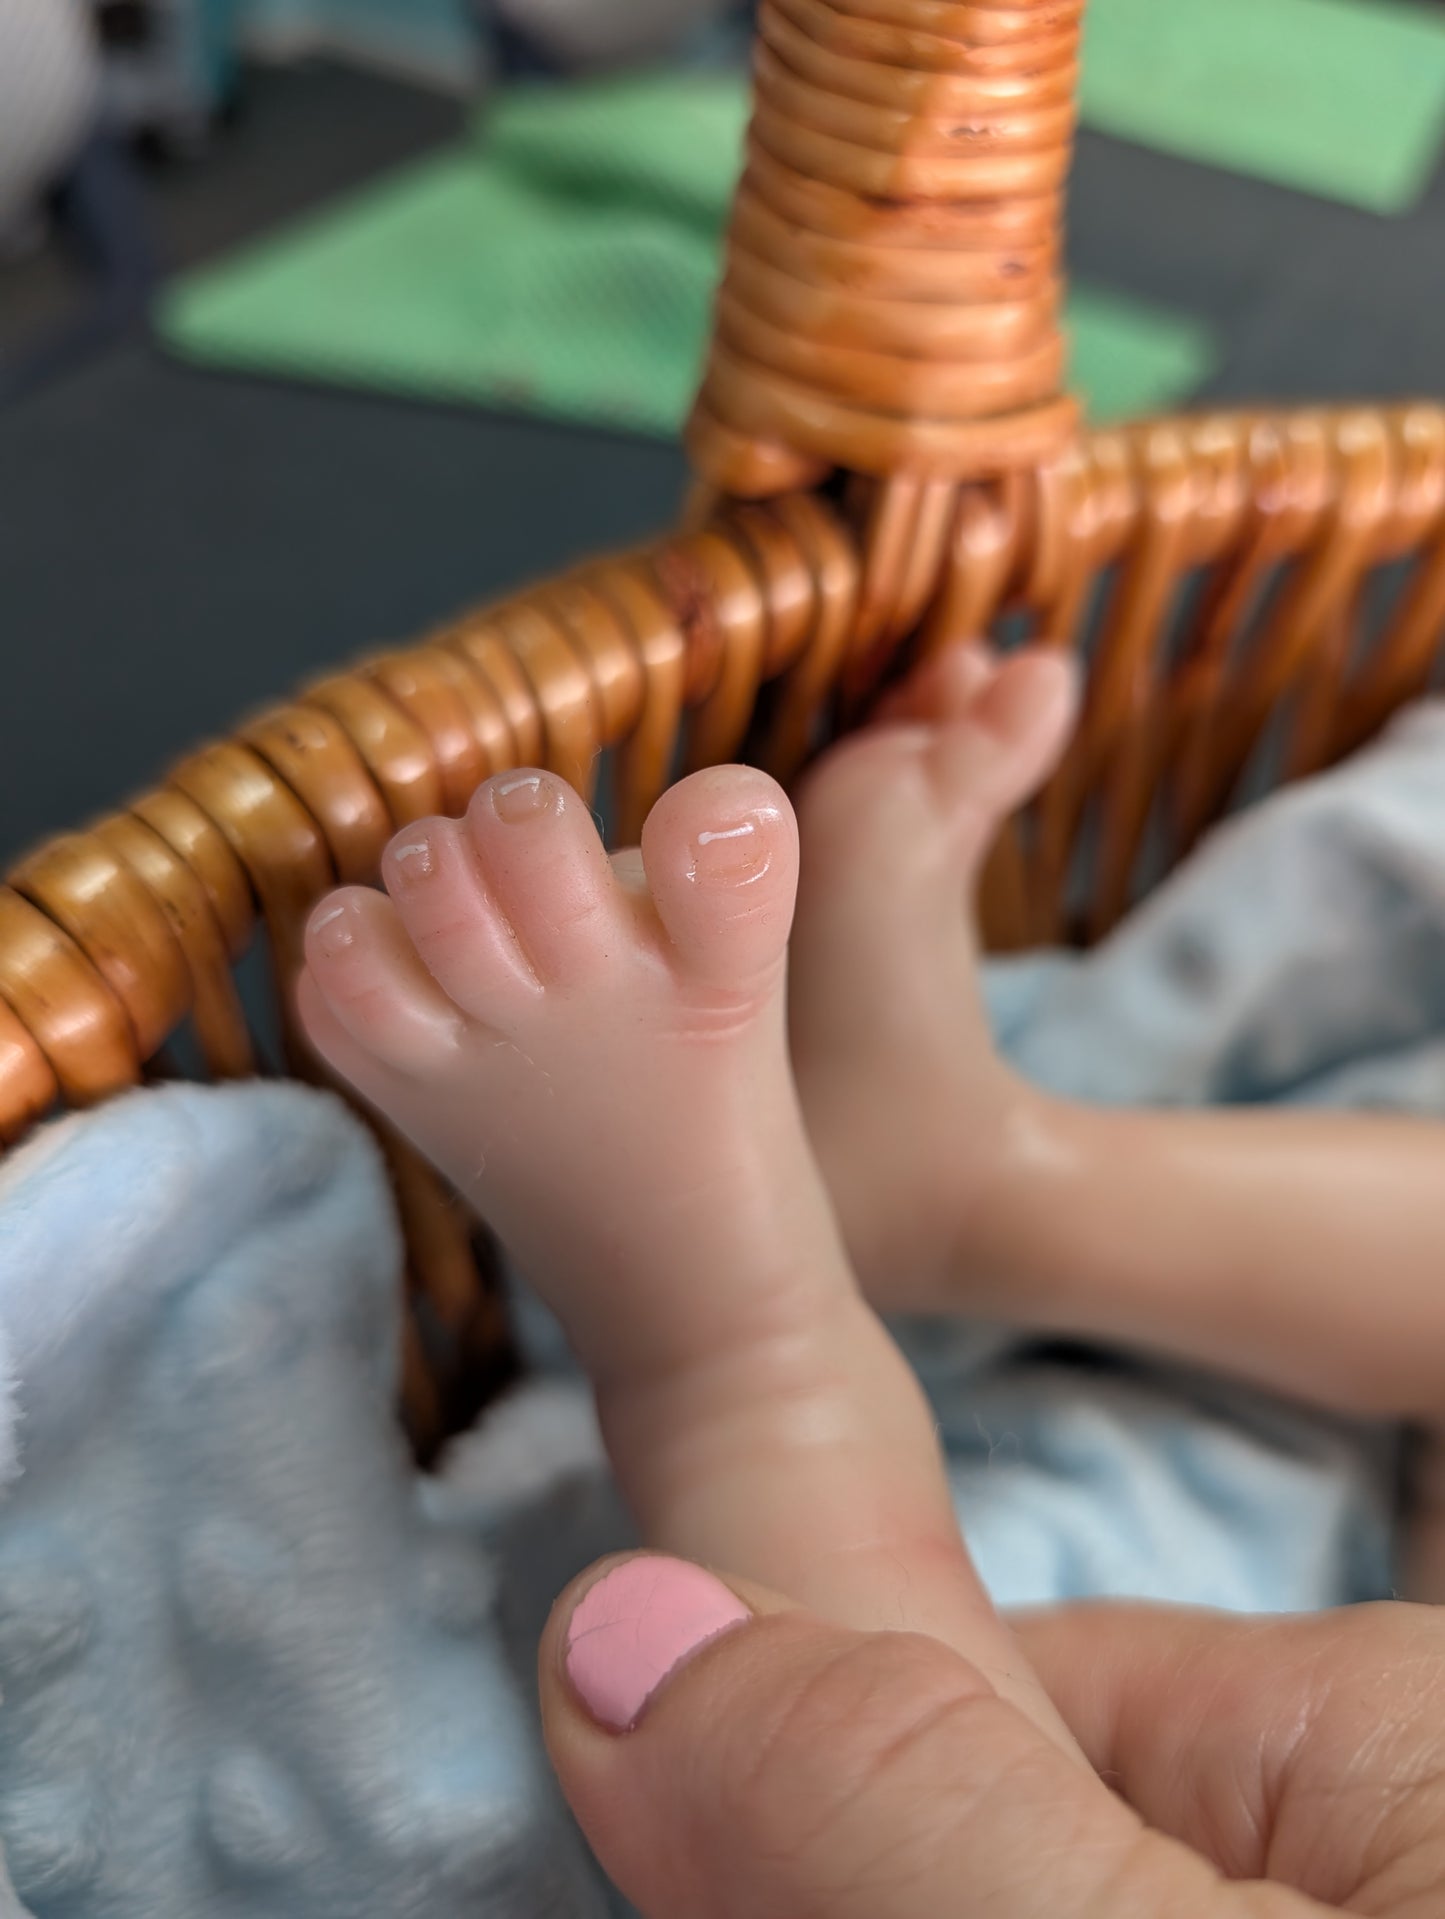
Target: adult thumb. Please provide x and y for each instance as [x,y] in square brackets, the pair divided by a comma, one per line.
[731,1757]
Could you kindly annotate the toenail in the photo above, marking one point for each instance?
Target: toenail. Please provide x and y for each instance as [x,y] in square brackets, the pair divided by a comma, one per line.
[732,854]
[524,797]
[416,860]
[332,930]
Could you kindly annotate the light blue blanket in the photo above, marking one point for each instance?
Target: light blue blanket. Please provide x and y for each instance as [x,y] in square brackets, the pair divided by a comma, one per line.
[245,1668]
[250,1665]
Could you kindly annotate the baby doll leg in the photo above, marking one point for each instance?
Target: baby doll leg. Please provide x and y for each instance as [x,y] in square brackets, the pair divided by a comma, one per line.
[1302,1251]
[914,1118]
[594,1051]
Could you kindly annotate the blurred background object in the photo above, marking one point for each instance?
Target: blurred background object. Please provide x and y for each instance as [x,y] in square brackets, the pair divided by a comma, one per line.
[457,43]
[49,97]
[584,35]
[432,42]
[170,66]
[66,179]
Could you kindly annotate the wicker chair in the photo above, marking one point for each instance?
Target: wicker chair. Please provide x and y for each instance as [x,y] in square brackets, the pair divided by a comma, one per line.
[884,458]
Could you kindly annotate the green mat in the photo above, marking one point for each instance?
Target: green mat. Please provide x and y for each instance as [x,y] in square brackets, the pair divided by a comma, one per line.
[562,262]
[1337,97]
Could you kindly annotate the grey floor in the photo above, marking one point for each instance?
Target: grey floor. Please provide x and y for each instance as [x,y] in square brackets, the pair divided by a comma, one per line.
[176,546]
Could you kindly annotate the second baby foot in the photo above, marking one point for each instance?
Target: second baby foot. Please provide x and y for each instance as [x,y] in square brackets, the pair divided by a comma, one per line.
[594,1050]
[913,1116]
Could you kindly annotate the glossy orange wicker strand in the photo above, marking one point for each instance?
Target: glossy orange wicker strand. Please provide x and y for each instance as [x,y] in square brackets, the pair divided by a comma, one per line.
[1321,683]
[949,228]
[644,757]
[1007,275]
[216,1016]
[712,571]
[432,701]
[939,336]
[279,845]
[561,688]
[203,849]
[29,1087]
[1126,752]
[449,1295]
[1295,475]
[979,560]
[602,641]
[97,900]
[885,514]
[1399,667]
[78,1025]
[1302,620]
[887,84]
[485,716]
[747,466]
[1231,589]
[1025,38]
[900,382]
[873,441]
[988,22]
[808,686]
[393,748]
[979,564]
[479,643]
[1359,532]
[901,527]
[923,564]
[308,748]
[921,133]
[790,593]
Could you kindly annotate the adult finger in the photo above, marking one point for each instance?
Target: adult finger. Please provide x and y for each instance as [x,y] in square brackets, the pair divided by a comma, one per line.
[1292,1746]
[732,1757]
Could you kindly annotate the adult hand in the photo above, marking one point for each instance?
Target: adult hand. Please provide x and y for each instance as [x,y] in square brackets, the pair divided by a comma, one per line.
[731,1757]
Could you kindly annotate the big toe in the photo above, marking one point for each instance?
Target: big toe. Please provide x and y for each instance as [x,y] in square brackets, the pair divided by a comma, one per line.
[993,750]
[721,854]
[1023,706]
[941,687]
[961,744]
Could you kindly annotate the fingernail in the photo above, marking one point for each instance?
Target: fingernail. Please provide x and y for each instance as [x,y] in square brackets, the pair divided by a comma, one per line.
[731,855]
[332,930]
[636,1627]
[523,797]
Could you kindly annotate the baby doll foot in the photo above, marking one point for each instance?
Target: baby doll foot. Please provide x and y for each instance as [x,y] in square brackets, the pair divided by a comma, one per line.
[595,1052]
[911,1113]
[589,1048]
